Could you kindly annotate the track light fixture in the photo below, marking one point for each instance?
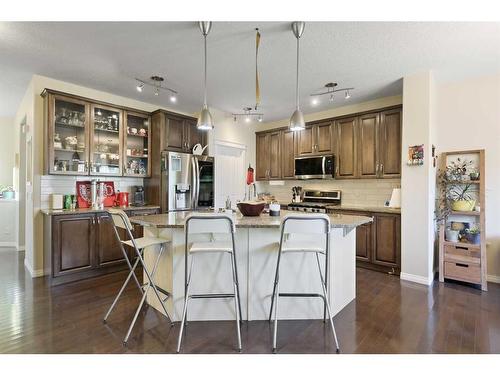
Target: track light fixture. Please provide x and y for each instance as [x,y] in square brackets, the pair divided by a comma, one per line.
[331,89]
[248,114]
[156,82]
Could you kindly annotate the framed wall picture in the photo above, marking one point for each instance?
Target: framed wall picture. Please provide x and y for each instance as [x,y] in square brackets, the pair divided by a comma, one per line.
[416,155]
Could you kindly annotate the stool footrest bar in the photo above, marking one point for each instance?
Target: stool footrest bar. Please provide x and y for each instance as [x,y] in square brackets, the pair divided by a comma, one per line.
[301,295]
[212,295]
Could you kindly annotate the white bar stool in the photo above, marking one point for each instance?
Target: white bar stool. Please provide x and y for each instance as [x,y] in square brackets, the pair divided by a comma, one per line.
[314,225]
[121,220]
[211,223]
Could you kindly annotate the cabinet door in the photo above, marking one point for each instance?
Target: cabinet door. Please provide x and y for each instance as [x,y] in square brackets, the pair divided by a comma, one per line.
[323,138]
[390,143]
[387,246]
[194,136]
[368,145]
[287,153]
[275,156]
[106,141]
[305,141]
[137,142]
[262,157]
[364,242]
[109,251]
[73,243]
[174,134]
[346,148]
[67,135]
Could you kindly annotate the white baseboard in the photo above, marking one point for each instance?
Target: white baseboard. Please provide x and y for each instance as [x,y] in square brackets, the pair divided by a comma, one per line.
[416,278]
[493,279]
[8,244]
[32,272]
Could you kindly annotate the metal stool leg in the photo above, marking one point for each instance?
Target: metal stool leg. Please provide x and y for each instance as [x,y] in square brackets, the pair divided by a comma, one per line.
[237,306]
[275,333]
[274,287]
[327,304]
[132,273]
[186,300]
[150,284]
[233,255]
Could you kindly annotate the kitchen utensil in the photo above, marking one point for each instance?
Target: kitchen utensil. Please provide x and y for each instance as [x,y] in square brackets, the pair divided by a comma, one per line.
[251,208]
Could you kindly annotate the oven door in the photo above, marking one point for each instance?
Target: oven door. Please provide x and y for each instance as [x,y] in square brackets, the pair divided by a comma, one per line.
[314,167]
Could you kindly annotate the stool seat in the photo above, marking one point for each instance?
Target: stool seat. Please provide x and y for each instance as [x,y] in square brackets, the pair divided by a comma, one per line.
[143,242]
[302,247]
[211,247]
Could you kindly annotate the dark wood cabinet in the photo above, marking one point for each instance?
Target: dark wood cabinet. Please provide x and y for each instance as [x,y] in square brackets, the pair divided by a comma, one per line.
[378,244]
[287,154]
[315,139]
[268,156]
[181,134]
[390,143]
[368,145]
[305,142]
[82,245]
[346,148]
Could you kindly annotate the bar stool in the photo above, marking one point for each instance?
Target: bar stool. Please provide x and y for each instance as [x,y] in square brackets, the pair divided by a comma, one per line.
[305,224]
[211,223]
[121,220]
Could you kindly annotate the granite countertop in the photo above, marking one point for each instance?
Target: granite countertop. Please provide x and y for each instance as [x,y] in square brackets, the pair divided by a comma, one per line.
[50,212]
[379,209]
[176,220]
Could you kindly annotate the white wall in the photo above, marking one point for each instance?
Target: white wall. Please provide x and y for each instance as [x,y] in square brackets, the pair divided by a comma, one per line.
[468,117]
[7,150]
[417,182]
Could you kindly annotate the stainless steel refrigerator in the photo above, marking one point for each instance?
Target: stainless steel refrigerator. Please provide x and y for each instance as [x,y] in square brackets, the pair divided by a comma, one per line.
[187,182]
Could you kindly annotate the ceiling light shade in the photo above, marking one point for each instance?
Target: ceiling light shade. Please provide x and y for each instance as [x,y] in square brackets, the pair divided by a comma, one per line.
[205,121]
[297,121]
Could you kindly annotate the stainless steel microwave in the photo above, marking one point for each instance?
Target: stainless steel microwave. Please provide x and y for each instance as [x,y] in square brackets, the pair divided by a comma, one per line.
[314,167]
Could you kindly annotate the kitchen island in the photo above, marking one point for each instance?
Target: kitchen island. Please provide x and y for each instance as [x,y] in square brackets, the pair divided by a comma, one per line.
[256,253]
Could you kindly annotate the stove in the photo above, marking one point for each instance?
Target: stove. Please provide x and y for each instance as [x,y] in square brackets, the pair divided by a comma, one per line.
[317,201]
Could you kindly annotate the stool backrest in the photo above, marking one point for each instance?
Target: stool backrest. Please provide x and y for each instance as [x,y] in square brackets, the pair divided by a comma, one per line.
[120,218]
[306,224]
[209,223]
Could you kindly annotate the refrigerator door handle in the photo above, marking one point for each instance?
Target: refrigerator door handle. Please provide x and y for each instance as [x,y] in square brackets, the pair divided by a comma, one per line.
[194,184]
[197,169]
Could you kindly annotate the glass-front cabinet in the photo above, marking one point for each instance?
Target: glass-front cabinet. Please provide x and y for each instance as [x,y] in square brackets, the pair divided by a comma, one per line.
[86,137]
[106,141]
[68,136]
[137,145]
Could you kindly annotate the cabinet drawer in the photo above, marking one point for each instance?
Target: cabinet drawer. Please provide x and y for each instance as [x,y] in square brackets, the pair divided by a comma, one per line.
[463,272]
[474,253]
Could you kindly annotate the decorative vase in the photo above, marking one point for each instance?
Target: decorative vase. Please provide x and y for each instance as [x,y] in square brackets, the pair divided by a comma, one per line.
[473,238]
[463,205]
[452,235]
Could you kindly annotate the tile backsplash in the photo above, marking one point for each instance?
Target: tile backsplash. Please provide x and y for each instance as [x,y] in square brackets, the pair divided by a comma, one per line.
[373,193]
[67,185]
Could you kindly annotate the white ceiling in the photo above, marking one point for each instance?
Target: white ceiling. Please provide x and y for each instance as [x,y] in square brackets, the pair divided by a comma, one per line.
[370,56]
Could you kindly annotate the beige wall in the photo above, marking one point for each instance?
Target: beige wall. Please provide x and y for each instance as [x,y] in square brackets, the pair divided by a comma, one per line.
[468,117]
[7,150]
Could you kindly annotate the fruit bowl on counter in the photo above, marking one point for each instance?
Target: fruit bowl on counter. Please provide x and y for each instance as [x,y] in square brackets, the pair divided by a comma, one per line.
[251,208]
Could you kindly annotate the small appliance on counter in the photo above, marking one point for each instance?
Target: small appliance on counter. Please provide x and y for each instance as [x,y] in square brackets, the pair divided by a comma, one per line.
[139,199]
[317,201]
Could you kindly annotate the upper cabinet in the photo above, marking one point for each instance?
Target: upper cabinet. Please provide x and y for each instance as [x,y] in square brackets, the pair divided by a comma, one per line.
[67,135]
[180,134]
[315,139]
[365,145]
[137,144]
[86,137]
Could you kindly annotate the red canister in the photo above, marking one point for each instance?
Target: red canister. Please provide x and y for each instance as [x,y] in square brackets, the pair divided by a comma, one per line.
[122,199]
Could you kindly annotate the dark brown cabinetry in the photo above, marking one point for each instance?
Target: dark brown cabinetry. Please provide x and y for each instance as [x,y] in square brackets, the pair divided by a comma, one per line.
[287,154]
[390,143]
[82,245]
[346,148]
[268,151]
[368,145]
[315,139]
[378,244]
[181,134]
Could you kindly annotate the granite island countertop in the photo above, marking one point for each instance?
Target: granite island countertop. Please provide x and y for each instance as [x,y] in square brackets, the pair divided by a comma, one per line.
[177,219]
[376,209]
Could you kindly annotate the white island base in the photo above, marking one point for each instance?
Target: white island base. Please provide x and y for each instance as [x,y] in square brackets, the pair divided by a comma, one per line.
[256,254]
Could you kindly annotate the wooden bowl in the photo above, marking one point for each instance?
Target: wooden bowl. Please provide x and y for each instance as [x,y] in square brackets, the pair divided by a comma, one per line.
[251,208]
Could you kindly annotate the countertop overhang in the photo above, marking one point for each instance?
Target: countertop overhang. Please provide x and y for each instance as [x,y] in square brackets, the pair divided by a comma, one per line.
[177,219]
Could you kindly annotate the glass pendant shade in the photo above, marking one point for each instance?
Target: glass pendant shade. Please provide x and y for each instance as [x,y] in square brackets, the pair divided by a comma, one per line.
[297,121]
[205,121]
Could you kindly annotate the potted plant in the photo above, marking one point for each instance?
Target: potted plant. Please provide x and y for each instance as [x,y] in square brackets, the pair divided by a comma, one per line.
[473,235]
[455,192]
[7,192]
[474,174]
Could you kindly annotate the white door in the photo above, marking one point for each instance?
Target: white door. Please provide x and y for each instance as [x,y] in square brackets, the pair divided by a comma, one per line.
[230,173]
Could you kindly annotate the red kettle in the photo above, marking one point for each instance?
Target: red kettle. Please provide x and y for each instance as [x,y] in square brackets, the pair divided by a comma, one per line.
[122,199]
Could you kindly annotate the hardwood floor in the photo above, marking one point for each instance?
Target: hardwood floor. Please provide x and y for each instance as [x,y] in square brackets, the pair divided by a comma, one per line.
[388,316]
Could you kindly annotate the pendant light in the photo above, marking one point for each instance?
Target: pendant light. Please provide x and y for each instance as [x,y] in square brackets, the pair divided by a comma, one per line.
[205,121]
[297,120]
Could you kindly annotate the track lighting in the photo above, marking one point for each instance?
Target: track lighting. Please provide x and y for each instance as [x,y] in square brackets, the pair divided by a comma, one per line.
[260,118]
[156,82]
[331,90]
[173,98]
[347,95]
[140,86]
[315,101]
[331,97]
